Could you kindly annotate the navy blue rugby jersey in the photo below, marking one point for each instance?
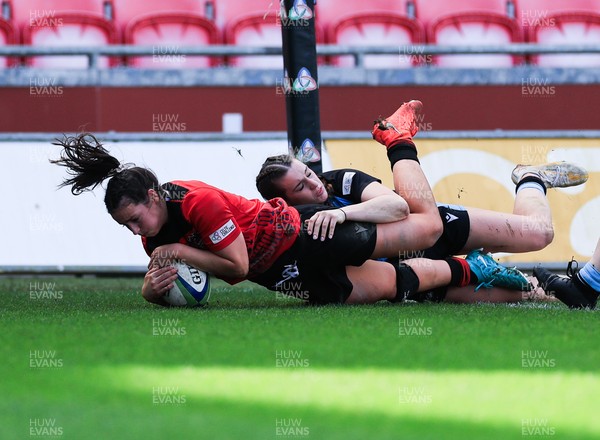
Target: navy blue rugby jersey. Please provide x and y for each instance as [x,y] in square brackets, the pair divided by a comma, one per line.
[347,186]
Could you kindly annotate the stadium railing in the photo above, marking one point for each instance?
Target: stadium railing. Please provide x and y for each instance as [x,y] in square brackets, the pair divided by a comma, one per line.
[358,52]
[123,76]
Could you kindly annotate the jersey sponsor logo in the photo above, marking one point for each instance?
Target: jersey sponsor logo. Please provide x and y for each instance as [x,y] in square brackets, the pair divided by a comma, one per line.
[450,217]
[347,182]
[221,233]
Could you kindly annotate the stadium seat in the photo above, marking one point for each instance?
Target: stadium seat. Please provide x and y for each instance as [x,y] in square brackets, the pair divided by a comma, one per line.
[252,23]
[7,36]
[167,25]
[470,22]
[372,23]
[562,22]
[59,23]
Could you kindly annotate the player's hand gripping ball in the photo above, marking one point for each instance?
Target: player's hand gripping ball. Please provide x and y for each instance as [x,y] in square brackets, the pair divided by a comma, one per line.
[191,288]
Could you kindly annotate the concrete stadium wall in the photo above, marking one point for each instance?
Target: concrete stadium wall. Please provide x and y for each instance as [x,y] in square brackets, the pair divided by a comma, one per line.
[44,226]
[52,228]
[509,107]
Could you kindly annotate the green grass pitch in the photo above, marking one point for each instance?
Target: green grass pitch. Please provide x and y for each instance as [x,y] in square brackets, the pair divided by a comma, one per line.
[87,358]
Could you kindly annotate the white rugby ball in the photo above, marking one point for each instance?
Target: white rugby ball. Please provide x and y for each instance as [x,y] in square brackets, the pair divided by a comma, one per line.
[191,288]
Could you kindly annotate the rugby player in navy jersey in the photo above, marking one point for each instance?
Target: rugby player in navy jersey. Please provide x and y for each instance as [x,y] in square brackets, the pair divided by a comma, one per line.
[457,230]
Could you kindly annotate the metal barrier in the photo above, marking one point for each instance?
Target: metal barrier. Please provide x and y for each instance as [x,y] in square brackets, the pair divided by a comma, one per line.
[358,52]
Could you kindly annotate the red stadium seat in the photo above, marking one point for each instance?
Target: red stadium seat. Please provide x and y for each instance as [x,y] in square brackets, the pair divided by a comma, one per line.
[252,23]
[7,36]
[562,22]
[167,25]
[372,23]
[63,23]
[469,22]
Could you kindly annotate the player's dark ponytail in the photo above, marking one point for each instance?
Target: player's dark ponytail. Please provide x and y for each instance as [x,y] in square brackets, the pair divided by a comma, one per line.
[86,160]
[272,169]
[89,164]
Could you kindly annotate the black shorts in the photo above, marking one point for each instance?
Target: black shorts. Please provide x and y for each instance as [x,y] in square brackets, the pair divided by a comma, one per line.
[315,270]
[457,227]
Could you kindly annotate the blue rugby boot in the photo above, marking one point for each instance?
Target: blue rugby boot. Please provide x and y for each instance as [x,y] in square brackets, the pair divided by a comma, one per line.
[492,274]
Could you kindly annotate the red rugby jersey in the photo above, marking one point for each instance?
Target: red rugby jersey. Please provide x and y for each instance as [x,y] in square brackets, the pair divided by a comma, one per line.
[206,217]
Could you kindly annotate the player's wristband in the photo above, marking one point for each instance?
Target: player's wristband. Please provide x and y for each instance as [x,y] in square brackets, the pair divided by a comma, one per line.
[345,216]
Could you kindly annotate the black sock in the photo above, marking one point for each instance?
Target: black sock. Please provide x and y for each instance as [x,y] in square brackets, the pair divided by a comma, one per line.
[460,271]
[402,150]
[534,179]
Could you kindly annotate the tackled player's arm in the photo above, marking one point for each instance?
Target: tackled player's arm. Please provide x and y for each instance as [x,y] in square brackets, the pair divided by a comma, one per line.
[379,204]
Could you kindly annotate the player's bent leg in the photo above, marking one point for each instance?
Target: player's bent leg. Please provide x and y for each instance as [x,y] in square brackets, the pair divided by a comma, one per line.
[410,183]
[431,273]
[396,133]
[411,234]
[377,280]
[373,281]
[529,228]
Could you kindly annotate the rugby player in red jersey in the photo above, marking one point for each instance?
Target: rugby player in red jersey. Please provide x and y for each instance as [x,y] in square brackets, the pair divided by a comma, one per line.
[235,238]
